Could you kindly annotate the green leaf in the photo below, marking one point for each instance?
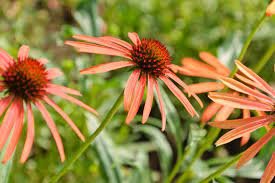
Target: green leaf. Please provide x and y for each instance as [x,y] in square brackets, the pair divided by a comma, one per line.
[5,170]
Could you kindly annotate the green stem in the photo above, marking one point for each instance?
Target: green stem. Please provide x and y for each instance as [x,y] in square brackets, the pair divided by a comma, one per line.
[221,169]
[264,59]
[248,41]
[178,165]
[89,140]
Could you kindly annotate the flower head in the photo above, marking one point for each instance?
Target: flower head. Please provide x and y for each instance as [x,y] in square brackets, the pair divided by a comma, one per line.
[256,100]
[151,62]
[26,83]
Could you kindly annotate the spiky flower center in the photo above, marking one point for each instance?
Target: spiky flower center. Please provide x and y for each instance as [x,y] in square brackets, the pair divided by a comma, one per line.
[26,79]
[151,56]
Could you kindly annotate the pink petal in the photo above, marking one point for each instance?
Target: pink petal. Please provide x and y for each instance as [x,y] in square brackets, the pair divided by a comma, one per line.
[62,89]
[4,104]
[97,49]
[173,88]
[23,52]
[65,117]
[246,137]
[8,122]
[242,130]
[224,113]
[270,10]
[247,81]
[238,101]
[149,99]
[53,129]
[269,172]
[30,135]
[210,111]
[118,41]
[103,42]
[194,64]
[253,76]
[129,89]
[212,60]
[184,86]
[18,125]
[5,59]
[101,68]
[75,101]
[237,86]
[138,94]
[229,124]
[255,148]
[205,87]
[161,106]
[53,73]
[134,38]
[43,60]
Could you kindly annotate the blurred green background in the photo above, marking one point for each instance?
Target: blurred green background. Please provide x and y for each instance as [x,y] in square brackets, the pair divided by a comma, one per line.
[134,153]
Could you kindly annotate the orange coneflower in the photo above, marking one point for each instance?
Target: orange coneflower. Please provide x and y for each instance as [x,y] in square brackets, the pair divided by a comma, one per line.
[211,68]
[262,101]
[26,83]
[150,61]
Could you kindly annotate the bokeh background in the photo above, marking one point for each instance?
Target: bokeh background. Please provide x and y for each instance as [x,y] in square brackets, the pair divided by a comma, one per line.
[134,153]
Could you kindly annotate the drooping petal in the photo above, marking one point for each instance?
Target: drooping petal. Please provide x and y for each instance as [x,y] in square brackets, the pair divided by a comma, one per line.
[253,76]
[30,135]
[224,113]
[161,106]
[212,60]
[62,89]
[138,94]
[118,41]
[75,101]
[229,124]
[129,89]
[269,172]
[174,89]
[134,38]
[239,101]
[247,81]
[237,86]
[8,122]
[246,137]
[210,111]
[270,10]
[17,130]
[23,52]
[149,99]
[53,129]
[4,104]
[101,68]
[255,148]
[205,87]
[65,117]
[53,73]
[184,86]
[97,49]
[103,42]
[242,130]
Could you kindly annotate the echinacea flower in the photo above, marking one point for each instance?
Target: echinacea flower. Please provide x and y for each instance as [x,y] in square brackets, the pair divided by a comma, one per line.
[270,10]
[211,68]
[251,84]
[150,61]
[27,83]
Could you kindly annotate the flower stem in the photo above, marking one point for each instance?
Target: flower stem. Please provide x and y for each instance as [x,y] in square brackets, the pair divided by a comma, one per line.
[264,59]
[248,41]
[89,140]
[221,169]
